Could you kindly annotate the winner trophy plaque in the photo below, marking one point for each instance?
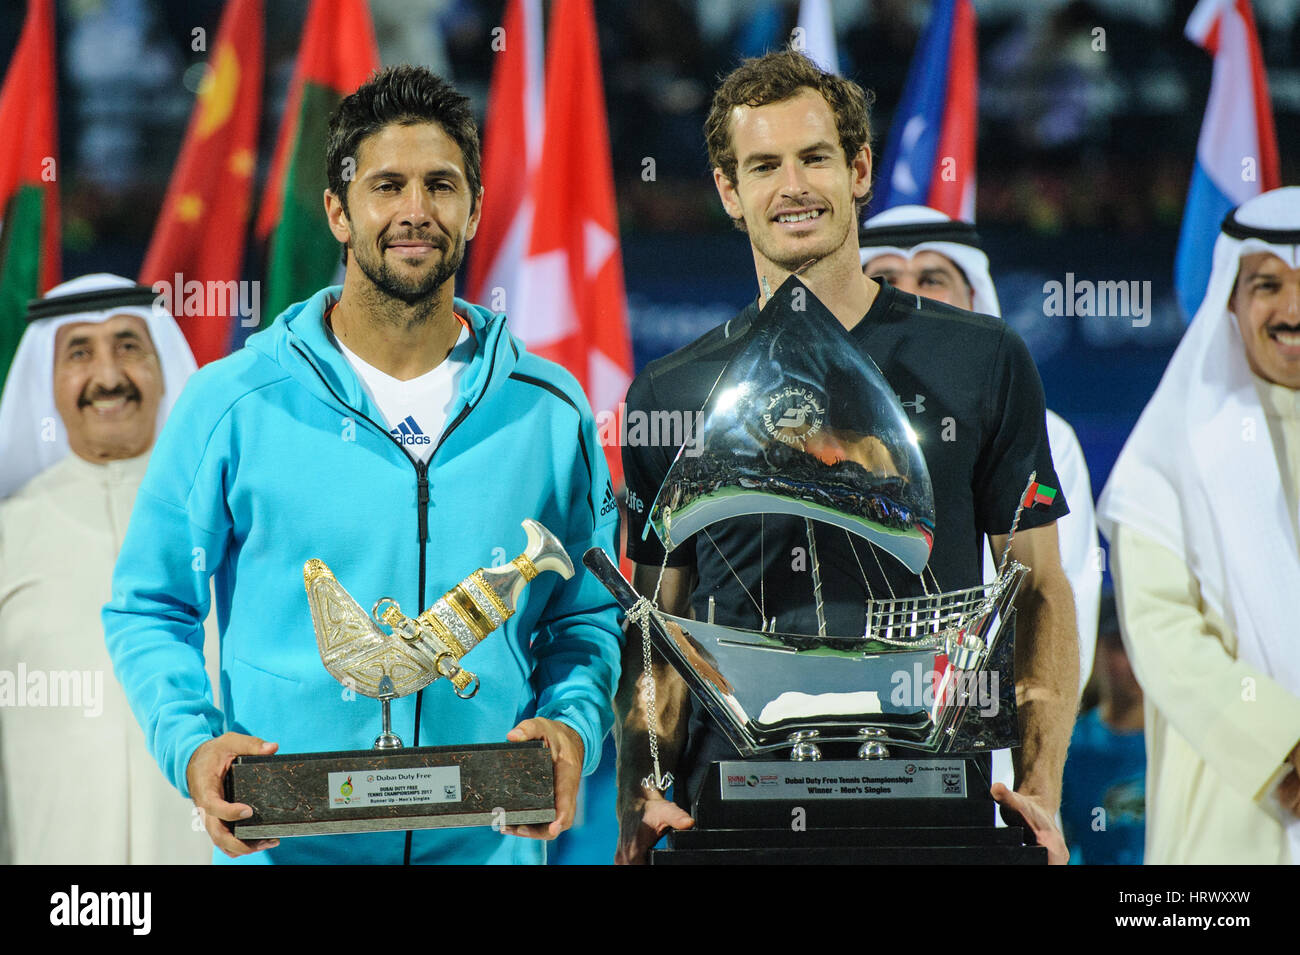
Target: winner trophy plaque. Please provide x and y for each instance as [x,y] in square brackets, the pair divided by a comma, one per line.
[390,786]
[801,423]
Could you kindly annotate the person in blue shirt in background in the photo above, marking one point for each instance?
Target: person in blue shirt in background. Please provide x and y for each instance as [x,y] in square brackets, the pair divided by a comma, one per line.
[1103,801]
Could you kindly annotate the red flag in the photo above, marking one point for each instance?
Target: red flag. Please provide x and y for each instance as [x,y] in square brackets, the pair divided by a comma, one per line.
[513,132]
[338,53]
[29,195]
[930,155]
[572,306]
[952,190]
[201,232]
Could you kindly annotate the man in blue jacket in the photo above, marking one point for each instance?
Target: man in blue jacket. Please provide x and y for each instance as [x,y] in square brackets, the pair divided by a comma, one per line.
[400,435]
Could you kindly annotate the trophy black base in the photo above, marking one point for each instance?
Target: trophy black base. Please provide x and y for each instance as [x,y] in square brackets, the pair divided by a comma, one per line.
[428,787]
[923,811]
[947,845]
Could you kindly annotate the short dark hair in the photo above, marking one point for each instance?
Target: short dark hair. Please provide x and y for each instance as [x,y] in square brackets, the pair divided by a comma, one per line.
[777,77]
[401,95]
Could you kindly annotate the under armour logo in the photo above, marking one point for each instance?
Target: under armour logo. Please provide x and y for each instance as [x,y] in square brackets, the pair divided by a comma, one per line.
[918,406]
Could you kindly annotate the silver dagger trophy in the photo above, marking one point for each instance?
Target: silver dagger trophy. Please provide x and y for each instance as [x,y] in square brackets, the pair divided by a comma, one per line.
[413,652]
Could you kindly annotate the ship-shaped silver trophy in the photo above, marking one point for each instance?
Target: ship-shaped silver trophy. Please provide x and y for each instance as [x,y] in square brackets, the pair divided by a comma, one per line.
[801,423]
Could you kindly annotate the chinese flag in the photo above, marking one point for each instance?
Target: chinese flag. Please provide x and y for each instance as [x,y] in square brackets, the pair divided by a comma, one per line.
[572,307]
[200,234]
[337,54]
[29,230]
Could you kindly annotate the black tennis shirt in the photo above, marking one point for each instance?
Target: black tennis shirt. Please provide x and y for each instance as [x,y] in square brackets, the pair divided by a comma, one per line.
[973,398]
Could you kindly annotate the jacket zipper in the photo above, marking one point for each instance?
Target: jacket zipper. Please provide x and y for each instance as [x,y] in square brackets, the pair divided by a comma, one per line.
[422,506]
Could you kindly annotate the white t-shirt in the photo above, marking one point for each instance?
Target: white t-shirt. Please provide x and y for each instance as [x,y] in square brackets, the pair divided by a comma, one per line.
[416,411]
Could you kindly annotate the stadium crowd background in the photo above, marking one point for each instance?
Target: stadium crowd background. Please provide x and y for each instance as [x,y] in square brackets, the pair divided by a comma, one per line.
[1084,155]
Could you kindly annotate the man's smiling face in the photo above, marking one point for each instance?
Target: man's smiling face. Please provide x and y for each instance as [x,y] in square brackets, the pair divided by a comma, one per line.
[794,189]
[107,385]
[409,211]
[1266,301]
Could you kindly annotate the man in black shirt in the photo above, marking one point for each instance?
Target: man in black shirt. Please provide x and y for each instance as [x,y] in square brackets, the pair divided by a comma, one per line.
[792,166]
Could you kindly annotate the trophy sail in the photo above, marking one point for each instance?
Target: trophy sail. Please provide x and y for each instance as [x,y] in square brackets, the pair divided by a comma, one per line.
[775,437]
[801,423]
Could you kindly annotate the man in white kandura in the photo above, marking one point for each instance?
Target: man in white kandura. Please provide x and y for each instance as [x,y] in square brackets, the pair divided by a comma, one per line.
[95,374]
[1201,512]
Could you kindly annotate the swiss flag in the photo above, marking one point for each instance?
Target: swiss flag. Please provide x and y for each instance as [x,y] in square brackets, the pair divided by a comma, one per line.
[571,306]
[514,131]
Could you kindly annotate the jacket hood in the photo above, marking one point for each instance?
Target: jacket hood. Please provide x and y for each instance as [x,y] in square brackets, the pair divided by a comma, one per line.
[299,342]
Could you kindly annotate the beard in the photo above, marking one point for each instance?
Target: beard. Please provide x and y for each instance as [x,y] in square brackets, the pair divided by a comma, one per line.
[790,258]
[411,289]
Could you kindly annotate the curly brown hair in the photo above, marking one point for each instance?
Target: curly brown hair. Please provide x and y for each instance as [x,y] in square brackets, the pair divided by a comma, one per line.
[776,77]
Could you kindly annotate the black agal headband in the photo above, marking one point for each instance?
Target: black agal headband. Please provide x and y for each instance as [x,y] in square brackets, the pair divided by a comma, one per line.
[96,300]
[906,236]
[1239,230]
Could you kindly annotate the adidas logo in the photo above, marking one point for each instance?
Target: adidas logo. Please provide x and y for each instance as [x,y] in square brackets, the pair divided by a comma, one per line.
[610,504]
[408,432]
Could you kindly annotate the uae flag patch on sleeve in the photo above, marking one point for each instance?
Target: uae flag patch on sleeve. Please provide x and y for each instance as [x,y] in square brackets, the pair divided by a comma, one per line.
[1038,494]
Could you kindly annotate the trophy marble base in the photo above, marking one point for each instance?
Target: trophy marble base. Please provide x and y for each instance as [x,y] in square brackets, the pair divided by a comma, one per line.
[923,811]
[429,787]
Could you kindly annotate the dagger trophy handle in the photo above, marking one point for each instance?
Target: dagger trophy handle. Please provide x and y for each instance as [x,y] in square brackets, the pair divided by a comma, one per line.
[462,617]
[543,552]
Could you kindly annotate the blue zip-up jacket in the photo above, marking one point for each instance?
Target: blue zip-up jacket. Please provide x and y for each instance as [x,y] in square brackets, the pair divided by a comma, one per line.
[275,455]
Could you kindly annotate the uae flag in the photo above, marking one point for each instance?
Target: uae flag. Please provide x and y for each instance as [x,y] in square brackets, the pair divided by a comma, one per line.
[1038,494]
[337,54]
[29,229]
[572,307]
[198,243]
[512,144]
